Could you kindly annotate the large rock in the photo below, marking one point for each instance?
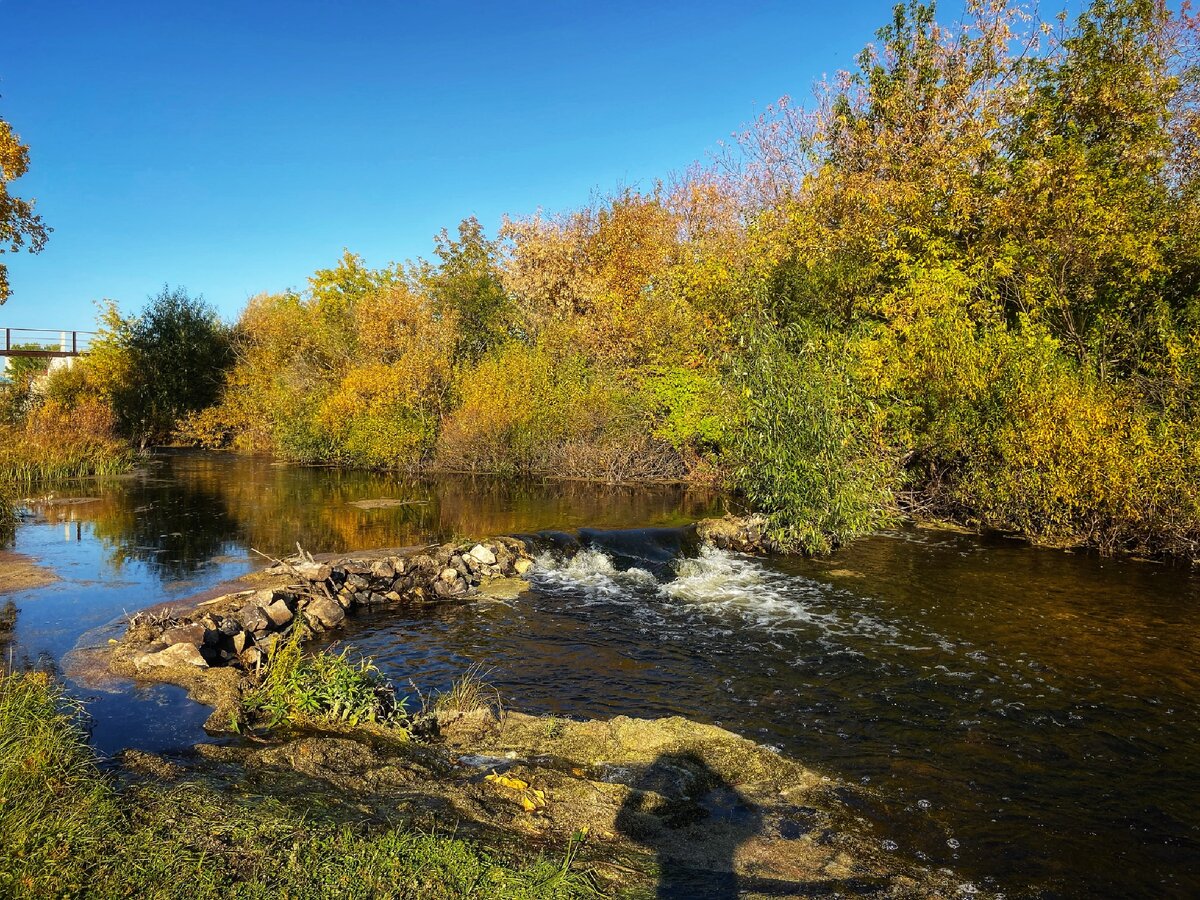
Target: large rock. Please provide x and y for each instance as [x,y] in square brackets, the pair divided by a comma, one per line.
[324,613]
[313,571]
[483,555]
[279,613]
[194,634]
[182,654]
[253,618]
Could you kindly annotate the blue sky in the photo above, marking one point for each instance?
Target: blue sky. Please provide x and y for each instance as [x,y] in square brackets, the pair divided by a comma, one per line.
[233,148]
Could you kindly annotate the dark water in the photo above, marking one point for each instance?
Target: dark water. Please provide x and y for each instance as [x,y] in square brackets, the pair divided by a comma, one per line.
[1026,717]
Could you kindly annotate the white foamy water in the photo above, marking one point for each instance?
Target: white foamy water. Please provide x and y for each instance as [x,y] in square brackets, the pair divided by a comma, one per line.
[716,584]
[733,583]
[593,571]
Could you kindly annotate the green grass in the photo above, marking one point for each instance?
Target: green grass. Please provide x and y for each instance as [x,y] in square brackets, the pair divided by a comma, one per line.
[469,693]
[8,510]
[70,830]
[299,688]
[28,467]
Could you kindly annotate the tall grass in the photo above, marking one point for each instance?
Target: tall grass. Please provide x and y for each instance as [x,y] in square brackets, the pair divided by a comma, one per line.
[323,686]
[68,830]
[8,510]
[55,442]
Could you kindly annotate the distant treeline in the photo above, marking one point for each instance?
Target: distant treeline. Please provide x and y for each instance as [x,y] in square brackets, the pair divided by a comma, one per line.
[961,283]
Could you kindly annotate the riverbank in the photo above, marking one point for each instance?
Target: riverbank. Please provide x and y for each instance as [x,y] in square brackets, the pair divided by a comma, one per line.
[19,572]
[668,802]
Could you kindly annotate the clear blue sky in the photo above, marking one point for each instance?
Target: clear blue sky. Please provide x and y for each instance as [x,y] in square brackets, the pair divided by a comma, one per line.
[233,148]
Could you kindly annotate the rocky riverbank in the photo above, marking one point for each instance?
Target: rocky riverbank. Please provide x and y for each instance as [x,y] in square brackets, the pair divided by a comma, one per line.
[670,802]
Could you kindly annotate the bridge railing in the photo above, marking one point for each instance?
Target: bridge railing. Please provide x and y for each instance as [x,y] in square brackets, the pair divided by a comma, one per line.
[44,342]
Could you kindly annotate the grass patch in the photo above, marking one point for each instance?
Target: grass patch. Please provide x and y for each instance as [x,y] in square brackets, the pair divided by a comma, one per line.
[8,511]
[469,693]
[300,688]
[69,830]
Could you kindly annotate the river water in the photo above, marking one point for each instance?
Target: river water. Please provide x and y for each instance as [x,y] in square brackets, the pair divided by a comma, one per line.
[1028,718]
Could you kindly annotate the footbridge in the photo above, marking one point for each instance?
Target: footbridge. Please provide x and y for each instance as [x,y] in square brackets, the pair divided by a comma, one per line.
[44,342]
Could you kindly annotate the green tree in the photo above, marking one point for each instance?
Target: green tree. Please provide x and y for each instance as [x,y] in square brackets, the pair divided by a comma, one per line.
[177,350]
[467,280]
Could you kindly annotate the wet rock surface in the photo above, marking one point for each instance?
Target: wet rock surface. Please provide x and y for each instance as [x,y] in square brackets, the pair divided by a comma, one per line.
[742,534]
[670,805]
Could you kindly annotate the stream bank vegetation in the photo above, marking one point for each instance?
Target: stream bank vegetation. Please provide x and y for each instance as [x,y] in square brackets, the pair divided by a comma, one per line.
[72,829]
[959,284]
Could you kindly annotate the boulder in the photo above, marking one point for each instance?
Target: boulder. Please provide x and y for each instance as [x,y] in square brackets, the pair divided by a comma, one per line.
[182,654]
[521,566]
[313,571]
[279,613]
[325,613]
[240,642]
[483,555]
[194,634]
[253,618]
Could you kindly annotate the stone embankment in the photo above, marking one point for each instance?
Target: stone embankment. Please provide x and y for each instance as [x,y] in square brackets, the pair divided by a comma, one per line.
[239,629]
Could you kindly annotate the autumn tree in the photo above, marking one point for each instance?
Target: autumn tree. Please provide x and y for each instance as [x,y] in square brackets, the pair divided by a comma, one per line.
[19,224]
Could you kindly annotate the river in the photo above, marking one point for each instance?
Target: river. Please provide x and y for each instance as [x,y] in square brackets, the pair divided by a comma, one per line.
[1026,717]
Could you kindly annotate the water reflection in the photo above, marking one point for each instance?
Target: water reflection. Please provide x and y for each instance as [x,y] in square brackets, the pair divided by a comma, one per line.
[186,509]
[1028,717]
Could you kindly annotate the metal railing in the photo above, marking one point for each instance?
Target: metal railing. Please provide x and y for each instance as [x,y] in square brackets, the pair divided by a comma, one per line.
[45,342]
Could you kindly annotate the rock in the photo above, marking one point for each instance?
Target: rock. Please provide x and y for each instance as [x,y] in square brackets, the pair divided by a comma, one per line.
[312,571]
[521,566]
[251,657]
[229,627]
[324,612]
[240,642]
[279,613]
[383,569]
[194,634]
[391,597]
[449,589]
[504,589]
[253,618]
[483,555]
[358,582]
[345,598]
[449,575]
[182,654]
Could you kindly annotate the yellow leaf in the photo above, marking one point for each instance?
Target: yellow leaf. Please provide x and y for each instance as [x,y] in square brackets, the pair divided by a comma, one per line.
[507,781]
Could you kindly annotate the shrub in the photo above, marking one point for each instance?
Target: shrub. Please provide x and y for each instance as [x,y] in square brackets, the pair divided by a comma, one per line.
[302,688]
[807,456]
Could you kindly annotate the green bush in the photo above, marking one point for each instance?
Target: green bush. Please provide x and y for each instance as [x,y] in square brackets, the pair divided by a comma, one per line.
[806,455]
[300,688]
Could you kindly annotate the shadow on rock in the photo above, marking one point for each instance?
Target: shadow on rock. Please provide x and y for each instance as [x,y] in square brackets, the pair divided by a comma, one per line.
[693,821]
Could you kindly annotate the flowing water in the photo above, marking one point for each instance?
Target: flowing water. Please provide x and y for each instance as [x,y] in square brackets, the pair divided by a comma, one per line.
[1026,717]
